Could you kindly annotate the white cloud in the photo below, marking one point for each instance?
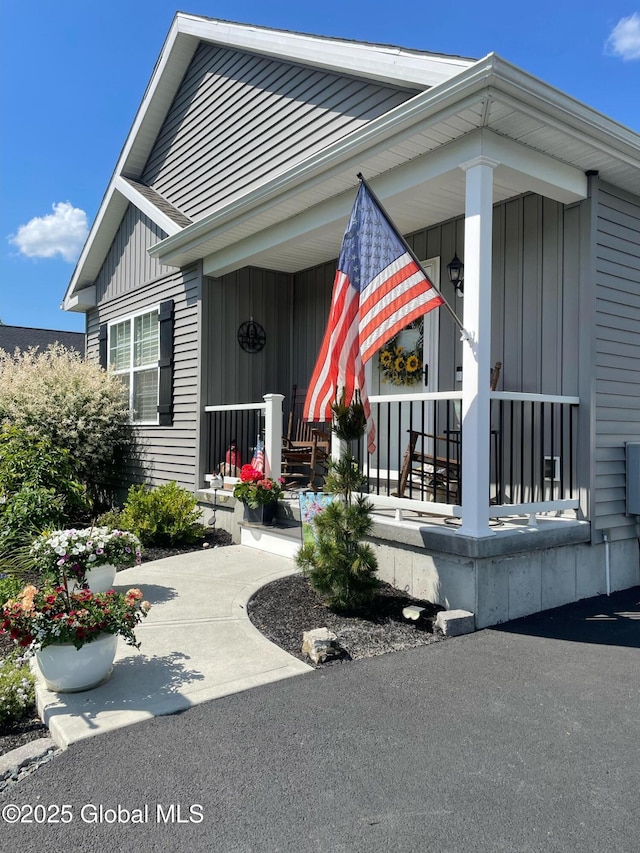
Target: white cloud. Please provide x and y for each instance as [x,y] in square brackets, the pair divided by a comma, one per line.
[62,232]
[624,40]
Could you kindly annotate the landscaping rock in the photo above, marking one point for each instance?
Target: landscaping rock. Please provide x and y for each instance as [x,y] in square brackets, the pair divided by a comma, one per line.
[413,612]
[321,644]
[453,623]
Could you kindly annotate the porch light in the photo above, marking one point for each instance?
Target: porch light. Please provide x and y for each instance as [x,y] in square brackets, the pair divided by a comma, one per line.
[456,274]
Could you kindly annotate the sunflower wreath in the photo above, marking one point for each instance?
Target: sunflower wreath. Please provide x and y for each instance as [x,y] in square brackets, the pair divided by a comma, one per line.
[400,366]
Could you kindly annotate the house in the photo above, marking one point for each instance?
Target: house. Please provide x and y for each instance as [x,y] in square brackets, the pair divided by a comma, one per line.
[207,275]
[22,338]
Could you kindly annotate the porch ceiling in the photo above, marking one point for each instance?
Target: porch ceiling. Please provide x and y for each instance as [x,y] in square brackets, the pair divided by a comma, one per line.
[543,140]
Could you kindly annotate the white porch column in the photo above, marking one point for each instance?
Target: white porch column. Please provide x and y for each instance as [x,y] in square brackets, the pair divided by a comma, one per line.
[476,359]
[273,435]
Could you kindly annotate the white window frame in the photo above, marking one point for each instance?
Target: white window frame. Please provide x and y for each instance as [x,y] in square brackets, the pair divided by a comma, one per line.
[131,370]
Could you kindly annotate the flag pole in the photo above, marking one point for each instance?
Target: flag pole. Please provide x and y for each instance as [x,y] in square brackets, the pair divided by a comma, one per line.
[465,335]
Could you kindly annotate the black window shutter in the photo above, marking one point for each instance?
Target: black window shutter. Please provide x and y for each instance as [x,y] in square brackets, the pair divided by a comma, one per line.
[165,363]
[102,349]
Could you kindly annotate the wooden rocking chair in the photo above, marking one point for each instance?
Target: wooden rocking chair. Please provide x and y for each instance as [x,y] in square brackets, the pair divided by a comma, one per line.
[306,447]
[435,473]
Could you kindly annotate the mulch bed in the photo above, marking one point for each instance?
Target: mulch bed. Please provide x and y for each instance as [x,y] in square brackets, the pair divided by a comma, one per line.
[285,609]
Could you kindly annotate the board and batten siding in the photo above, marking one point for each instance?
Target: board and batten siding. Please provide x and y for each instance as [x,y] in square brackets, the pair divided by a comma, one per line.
[239,119]
[233,375]
[534,330]
[167,453]
[128,263]
[617,353]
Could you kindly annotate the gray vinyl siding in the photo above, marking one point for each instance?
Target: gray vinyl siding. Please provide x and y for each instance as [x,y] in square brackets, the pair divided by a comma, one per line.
[167,453]
[127,263]
[233,375]
[617,353]
[534,293]
[239,119]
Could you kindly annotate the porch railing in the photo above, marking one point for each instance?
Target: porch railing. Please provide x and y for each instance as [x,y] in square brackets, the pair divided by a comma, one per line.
[532,452]
[232,432]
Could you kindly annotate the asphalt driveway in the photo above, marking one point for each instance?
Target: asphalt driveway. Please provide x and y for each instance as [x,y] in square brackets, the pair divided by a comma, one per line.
[523,738]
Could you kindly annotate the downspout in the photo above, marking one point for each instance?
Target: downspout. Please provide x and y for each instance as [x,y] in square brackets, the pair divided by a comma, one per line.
[607,564]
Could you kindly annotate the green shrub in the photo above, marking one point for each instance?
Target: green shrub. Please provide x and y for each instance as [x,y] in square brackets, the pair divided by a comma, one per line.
[17,696]
[112,519]
[10,586]
[76,405]
[339,564]
[37,488]
[28,512]
[165,515]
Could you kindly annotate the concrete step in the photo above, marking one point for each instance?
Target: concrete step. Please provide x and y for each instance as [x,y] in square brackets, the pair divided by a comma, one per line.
[283,540]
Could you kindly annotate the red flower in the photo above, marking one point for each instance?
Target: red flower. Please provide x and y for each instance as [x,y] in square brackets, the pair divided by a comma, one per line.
[250,474]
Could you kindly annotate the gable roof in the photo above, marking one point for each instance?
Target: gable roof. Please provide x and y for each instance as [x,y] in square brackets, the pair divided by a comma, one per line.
[411,69]
[23,337]
[457,99]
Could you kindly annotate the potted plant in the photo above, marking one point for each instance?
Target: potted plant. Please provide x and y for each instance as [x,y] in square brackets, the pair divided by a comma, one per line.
[72,635]
[259,494]
[85,558]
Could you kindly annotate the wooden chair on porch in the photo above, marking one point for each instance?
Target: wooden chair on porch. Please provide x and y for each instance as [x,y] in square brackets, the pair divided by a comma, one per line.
[306,447]
[431,463]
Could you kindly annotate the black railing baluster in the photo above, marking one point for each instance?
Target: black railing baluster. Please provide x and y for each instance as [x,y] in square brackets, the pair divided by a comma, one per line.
[522,417]
[552,427]
[542,437]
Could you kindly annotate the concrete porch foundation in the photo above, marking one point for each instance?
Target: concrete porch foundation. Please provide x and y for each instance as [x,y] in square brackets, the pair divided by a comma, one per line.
[514,573]
[518,571]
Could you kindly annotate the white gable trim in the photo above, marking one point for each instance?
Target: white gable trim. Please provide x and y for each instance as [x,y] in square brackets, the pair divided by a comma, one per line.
[383,63]
[145,206]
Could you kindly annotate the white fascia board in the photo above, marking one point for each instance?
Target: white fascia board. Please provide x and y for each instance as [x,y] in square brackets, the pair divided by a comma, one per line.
[531,171]
[175,57]
[97,245]
[488,74]
[563,112]
[384,63]
[403,120]
[146,206]
[174,60]
[82,301]
[527,170]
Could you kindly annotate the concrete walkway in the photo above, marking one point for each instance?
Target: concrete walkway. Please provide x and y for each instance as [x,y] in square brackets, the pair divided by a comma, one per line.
[197,644]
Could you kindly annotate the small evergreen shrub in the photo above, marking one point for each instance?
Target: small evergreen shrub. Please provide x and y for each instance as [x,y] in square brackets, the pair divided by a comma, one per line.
[341,567]
[17,695]
[161,516]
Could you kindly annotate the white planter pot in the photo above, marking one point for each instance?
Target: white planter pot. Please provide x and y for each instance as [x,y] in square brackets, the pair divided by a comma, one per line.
[68,670]
[99,578]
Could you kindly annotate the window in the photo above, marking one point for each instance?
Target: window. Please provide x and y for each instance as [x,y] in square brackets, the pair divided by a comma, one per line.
[134,351]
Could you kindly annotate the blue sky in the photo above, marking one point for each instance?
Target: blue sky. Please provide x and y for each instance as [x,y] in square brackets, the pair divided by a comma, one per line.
[73,72]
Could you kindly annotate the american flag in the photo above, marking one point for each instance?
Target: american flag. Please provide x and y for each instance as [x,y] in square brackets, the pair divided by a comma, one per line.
[379,289]
[258,456]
